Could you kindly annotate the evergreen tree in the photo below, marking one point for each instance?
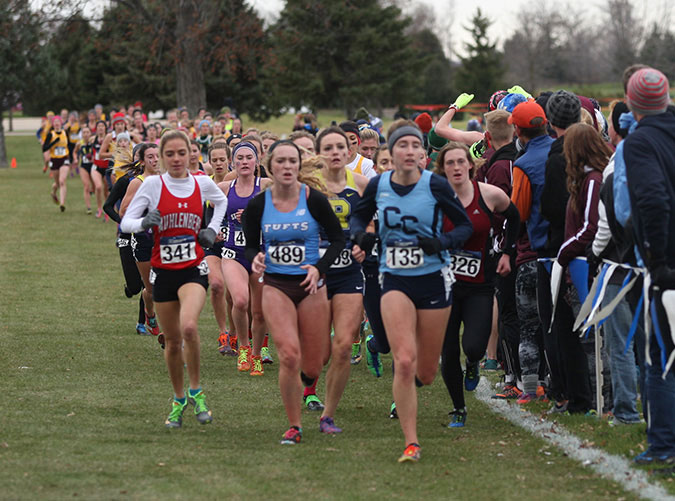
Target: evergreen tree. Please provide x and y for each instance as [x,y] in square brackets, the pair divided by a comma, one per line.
[482,69]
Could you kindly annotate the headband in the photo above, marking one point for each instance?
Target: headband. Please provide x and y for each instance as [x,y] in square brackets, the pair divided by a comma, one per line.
[204,122]
[406,130]
[245,144]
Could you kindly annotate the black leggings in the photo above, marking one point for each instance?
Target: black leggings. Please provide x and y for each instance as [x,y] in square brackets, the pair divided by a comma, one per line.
[509,326]
[473,308]
[132,277]
[371,303]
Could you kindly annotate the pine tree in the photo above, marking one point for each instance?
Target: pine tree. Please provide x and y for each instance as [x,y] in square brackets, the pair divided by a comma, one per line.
[482,69]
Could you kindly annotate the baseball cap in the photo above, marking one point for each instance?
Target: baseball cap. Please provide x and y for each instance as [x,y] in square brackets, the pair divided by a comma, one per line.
[528,115]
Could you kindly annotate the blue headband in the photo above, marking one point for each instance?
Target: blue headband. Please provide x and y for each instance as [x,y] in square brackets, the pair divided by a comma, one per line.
[204,122]
[406,130]
[245,144]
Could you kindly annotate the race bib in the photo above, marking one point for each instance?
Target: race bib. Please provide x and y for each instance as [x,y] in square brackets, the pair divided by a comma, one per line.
[225,232]
[239,238]
[404,257]
[178,249]
[342,261]
[465,264]
[60,151]
[122,242]
[287,254]
[203,268]
[228,253]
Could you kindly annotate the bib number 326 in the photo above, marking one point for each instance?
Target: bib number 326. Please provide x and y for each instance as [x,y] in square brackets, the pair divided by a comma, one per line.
[177,249]
[465,265]
[287,254]
[404,257]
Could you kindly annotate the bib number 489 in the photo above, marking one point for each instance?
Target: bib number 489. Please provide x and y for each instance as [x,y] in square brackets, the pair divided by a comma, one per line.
[287,255]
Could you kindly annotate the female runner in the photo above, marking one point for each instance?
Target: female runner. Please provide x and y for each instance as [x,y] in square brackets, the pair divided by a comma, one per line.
[141,242]
[100,166]
[414,263]
[175,201]
[55,153]
[242,284]
[344,279]
[290,216]
[84,153]
[474,268]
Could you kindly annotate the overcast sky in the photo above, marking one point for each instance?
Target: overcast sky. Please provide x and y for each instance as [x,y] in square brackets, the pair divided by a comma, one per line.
[503,13]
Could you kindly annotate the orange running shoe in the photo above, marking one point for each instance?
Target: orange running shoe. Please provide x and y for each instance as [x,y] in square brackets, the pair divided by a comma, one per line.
[257,366]
[412,453]
[244,360]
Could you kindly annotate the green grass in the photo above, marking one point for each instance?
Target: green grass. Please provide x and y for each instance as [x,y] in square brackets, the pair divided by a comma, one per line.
[86,397]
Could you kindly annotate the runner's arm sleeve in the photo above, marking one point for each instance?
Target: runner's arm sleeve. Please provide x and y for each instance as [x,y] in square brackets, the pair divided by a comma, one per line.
[365,209]
[147,197]
[321,210]
[250,223]
[215,195]
[521,196]
[577,243]
[116,194]
[452,208]
[49,142]
[512,229]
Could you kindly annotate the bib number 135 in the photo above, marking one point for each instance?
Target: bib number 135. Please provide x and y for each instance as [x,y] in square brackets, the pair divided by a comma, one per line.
[287,255]
[404,257]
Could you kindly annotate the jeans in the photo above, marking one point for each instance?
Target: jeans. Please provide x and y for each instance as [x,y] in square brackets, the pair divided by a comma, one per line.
[623,367]
[530,327]
[660,393]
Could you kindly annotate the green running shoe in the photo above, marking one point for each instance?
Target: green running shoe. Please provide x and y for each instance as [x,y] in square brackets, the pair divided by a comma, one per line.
[175,419]
[373,359]
[393,414]
[265,354]
[202,412]
[356,353]
[313,403]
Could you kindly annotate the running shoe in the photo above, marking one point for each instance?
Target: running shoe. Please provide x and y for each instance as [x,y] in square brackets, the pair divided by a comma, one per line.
[99,212]
[510,392]
[313,403]
[541,393]
[649,457]
[558,408]
[141,330]
[373,359]
[457,418]
[244,359]
[160,340]
[292,436]
[152,324]
[489,364]
[356,353]
[234,346]
[62,208]
[224,344]
[526,398]
[327,425]
[256,366]
[393,414]
[175,419]
[412,453]
[202,412]
[88,211]
[471,376]
[265,355]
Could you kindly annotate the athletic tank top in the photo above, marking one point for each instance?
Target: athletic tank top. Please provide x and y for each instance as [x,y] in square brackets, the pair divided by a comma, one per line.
[291,239]
[404,218]
[474,263]
[86,153]
[233,235]
[98,161]
[343,204]
[60,148]
[176,245]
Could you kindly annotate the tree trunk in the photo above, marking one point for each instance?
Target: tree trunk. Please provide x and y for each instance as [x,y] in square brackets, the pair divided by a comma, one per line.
[190,88]
[11,122]
[3,150]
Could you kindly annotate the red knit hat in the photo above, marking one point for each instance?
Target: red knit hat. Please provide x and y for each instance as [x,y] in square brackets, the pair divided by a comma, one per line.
[423,121]
[117,117]
[647,92]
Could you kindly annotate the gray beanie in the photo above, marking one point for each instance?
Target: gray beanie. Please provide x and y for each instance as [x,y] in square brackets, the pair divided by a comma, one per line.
[563,109]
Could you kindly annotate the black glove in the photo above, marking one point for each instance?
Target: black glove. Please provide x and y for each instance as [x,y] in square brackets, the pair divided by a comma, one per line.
[430,245]
[366,241]
[152,218]
[594,263]
[206,237]
[663,277]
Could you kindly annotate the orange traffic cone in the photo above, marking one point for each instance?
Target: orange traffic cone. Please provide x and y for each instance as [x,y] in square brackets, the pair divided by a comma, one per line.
[13,163]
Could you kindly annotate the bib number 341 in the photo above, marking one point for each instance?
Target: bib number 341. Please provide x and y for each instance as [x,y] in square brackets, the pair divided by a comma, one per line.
[177,249]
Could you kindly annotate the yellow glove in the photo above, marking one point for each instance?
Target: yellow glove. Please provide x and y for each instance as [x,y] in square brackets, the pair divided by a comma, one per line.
[462,100]
[517,89]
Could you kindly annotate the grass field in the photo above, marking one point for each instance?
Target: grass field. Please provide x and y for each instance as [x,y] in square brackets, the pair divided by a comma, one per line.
[87,397]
